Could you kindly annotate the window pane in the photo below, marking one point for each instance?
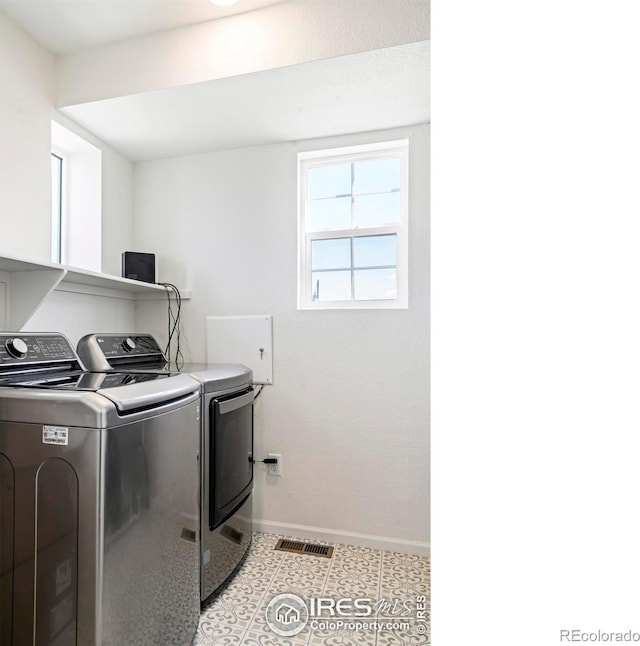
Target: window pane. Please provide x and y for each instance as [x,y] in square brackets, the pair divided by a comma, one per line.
[332,213]
[376,175]
[370,210]
[331,254]
[374,284]
[374,251]
[329,181]
[56,203]
[331,285]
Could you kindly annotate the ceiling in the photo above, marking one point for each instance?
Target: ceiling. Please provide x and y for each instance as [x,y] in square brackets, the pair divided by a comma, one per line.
[64,26]
[373,90]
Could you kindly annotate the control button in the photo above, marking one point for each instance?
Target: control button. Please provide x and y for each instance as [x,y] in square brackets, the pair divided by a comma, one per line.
[17,348]
[129,344]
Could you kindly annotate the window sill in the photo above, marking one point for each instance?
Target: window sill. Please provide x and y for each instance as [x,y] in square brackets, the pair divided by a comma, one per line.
[355,305]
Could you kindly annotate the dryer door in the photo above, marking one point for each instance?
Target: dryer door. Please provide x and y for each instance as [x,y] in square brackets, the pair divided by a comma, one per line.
[231,454]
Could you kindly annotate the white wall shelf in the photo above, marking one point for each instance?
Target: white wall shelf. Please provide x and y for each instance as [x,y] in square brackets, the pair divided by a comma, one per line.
[29,282]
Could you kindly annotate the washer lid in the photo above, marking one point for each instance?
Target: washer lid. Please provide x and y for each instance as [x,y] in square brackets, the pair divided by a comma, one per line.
[78,380]
[157,390]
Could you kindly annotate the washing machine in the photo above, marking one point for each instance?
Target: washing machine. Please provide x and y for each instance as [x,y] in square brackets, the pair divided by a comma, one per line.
[99,501]
[227,396]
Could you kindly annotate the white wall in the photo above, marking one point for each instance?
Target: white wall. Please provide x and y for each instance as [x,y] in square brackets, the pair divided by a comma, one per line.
[82,245]
[117,209]
[27,80]
[349,408]
[76,314]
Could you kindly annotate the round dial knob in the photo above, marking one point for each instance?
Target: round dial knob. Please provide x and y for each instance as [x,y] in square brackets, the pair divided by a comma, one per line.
[17,348]
[129,344]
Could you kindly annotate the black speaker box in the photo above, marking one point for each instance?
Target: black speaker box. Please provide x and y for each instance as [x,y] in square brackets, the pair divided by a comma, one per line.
[139,266]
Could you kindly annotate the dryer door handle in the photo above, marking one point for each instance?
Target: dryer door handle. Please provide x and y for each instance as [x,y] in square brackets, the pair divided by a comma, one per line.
[227,405]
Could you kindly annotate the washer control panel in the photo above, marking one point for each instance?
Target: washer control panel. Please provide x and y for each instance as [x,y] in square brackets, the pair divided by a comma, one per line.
[18,349]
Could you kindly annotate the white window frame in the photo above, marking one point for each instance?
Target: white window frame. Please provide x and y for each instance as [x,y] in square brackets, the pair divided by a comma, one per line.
[306,236]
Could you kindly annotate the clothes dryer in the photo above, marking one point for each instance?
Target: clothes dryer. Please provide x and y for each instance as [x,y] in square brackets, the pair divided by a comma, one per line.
[227,395]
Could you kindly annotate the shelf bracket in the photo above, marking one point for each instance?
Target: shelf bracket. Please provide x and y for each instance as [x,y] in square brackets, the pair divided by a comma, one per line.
[27,291]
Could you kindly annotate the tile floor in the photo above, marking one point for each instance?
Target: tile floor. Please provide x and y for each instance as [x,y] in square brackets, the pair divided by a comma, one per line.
[393,582]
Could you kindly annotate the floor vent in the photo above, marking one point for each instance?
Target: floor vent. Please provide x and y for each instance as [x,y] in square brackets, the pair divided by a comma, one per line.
[298,547]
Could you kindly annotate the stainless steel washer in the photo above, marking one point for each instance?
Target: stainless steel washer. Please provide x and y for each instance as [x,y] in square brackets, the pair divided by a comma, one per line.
[98,500]
[227,395]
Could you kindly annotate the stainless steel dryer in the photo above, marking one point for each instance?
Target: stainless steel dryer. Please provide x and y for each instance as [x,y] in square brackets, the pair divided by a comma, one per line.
[98,501]
[226,444]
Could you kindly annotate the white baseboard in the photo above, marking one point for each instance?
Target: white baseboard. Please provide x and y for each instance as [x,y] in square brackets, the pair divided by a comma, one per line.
[387,543]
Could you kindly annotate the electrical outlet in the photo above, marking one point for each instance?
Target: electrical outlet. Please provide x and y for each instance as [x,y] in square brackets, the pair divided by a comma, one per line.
[275,469]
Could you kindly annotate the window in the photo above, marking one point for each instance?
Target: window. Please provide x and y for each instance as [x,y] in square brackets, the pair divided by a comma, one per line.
[76,200]
[56,208]
[353,227]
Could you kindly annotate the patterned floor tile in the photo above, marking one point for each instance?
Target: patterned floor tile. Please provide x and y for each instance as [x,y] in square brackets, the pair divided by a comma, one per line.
[356,566]
[265,548]
[397,586]
[304,586]
[350,587]
[268,639]
[213,633]
[353,580]
[404,576]
[231,608]
[343,636]
[411,637]
[360,555]
[403,589]
[313,565]
[253,578]
[261,538]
